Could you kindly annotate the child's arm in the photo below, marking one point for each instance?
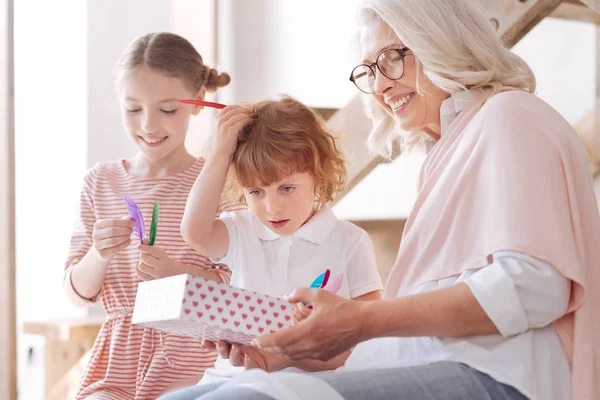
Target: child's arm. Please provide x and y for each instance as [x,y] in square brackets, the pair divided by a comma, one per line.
[109,237]
[207,235]
[199,228]
[93,244]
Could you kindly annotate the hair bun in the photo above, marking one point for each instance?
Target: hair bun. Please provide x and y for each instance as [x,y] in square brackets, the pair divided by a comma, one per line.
[215,80]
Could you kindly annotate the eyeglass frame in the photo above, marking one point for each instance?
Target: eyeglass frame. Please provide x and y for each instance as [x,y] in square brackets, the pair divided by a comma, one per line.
[402,52]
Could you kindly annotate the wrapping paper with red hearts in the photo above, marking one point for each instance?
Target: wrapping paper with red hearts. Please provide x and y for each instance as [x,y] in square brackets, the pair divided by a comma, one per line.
[187,305]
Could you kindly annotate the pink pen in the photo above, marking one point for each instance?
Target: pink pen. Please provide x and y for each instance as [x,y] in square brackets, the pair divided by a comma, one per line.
[335,285]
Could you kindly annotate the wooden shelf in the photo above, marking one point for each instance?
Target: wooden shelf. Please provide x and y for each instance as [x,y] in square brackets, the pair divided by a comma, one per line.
[64,330]
[67,349]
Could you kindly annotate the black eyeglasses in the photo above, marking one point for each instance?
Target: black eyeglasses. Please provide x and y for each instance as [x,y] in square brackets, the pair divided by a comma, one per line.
[391,64]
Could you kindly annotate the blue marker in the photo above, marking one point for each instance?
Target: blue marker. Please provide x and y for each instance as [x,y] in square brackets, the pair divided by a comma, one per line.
[319,282]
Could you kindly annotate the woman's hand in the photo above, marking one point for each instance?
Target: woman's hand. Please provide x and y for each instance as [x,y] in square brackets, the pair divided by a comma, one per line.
[155,263]
[301,312]
[110,236]
[334,326]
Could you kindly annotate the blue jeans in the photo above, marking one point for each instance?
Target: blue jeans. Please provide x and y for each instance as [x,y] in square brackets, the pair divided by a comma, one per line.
[438,381]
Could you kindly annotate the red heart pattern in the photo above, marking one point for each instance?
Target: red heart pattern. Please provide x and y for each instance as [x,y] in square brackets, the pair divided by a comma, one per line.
[219,311]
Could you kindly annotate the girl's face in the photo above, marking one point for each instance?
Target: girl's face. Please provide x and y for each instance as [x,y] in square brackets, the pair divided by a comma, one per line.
[151,115]
[414,110]
[283,206]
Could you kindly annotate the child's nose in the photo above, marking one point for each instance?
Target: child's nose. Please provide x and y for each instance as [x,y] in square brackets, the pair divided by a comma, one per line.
[274,206]
[150,123]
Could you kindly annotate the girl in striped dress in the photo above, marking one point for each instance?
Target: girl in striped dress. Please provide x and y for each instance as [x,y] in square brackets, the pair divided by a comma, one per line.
[105,263]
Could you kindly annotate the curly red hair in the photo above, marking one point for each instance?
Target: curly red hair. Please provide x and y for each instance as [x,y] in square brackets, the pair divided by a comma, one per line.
[287,137]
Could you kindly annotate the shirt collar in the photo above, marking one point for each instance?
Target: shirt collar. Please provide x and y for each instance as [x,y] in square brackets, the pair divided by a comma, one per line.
[316,230]
[453,106]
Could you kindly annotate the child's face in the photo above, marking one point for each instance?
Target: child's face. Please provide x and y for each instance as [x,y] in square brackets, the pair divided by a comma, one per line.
[283,206]
[156,122]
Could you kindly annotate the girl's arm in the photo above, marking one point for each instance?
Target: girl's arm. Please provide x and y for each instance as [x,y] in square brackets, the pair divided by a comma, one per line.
[199,228]
[109,236]
[93,244]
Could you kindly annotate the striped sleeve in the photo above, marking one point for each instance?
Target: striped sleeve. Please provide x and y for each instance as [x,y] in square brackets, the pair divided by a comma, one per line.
[81,241]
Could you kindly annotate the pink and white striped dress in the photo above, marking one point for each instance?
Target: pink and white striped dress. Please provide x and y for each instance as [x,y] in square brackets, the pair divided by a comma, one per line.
[127,361]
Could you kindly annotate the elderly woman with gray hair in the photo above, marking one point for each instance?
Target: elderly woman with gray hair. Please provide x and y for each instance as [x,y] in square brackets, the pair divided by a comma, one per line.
[497,274]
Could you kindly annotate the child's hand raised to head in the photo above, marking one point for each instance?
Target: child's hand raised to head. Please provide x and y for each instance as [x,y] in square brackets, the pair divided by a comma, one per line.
[231,120]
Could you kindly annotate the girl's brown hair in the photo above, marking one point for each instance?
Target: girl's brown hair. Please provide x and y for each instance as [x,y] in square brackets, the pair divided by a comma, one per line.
[174,56]
[287,137]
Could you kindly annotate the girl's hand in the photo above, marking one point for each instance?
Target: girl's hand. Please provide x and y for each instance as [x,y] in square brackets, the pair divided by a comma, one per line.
[110,236]
[301,312]
[155,263]
[255,358]
[231,120]
[334,326]
[225,350]
[247,357]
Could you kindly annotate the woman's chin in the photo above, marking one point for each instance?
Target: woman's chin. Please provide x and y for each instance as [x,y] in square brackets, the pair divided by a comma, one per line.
[409,125]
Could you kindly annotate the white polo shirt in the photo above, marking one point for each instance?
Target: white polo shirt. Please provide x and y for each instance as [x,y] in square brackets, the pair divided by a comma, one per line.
[263,261]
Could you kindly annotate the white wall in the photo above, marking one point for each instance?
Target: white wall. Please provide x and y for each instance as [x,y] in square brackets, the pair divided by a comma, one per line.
[50,157]
[50,119]
[562,55]
[304,49]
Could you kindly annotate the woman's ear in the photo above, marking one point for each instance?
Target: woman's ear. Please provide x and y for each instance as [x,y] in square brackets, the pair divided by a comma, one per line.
[200,96]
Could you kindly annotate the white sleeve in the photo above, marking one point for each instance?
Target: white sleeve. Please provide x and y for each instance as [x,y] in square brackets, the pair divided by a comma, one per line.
[519,292]
[231,220]
[361,267]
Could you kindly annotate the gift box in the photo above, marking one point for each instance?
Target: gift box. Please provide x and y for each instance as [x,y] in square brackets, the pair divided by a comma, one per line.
[187,305]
